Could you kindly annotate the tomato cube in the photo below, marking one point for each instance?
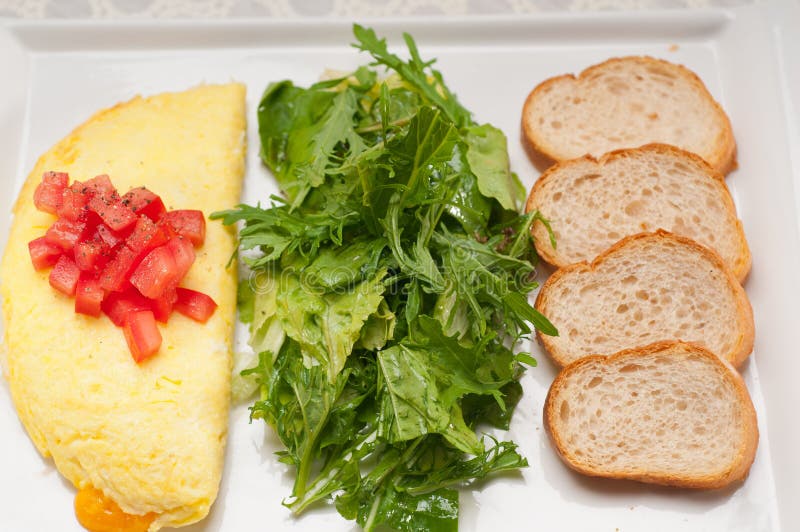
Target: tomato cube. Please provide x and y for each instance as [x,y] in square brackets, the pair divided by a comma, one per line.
[194,305]
[64,275]
[183,253]
[88,296]
[116,272]
[73,202]
[65,233]
[118,305]
[156,273]
[91,255]
[146,236]
[142,335]
[144,203]
[162,307]
[108,236]
[112,211]
[43,253]
[100,186]
[47,196]
[189,224]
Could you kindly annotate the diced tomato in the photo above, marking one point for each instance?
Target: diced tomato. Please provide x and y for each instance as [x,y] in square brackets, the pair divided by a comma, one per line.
[115,274]
[167,228]
[64,275]
[144,202]
[194,305]
[142,335]
[156,273]
[100,186]
[73,202]
[108,236]
[146,236]
[189,224]
[43,253]
[112,211]
[91,255]
[123,256]
[183,253]
[162,307]
[65,233]
[88,296]
[117,305]
[47,196]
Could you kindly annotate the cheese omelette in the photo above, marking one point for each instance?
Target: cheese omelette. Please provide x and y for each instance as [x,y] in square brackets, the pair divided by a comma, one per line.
[150,437]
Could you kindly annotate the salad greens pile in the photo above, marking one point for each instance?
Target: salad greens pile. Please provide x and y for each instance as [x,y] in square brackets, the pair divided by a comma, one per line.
[386,289]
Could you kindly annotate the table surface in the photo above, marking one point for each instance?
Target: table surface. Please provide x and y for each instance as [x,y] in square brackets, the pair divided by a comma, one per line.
[115,9]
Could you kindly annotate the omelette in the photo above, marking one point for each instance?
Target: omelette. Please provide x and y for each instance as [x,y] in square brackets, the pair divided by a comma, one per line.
[147,439]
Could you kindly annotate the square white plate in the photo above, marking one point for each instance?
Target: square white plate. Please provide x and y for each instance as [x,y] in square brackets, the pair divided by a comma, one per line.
[58,74]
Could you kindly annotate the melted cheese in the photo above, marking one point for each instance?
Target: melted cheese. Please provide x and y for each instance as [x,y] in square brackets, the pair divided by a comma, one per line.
[150,437]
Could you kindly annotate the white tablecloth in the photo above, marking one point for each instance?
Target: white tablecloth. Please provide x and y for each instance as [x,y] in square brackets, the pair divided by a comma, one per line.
[303,8]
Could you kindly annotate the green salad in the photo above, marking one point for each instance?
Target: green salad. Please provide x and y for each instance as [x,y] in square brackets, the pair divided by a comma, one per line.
[387,290]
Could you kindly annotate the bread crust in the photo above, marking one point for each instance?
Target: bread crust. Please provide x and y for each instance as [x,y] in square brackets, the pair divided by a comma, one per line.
[737,471]
[737,355]
[539,232]
[722,158]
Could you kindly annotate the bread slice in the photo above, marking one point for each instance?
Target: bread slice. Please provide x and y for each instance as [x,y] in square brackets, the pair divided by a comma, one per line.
[669,413]
[647,288]
[592,203]
[627,102]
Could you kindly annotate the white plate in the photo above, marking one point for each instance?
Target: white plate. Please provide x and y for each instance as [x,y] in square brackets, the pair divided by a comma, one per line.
[57,74]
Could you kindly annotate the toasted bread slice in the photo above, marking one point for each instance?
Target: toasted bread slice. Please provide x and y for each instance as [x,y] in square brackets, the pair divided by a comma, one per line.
[592,203]
[627,102]
[647,288]
[669,413]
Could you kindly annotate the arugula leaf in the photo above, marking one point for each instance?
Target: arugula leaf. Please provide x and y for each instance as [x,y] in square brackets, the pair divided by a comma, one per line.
[284,109]
[486,409]
[326,326]
[256,298]
[296,400]
[411,403]
[428,476]
[345,438]
[385,290]
[416,262]
[266,332]
[401,511]
[245,301]
[467,204]
[451,312]
[341,268]
[488,159]
[300,159]
[378,329]
[416,72]
[276,232]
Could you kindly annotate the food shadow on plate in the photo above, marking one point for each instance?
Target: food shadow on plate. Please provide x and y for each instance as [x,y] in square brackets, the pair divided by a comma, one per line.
[213,521]
[545,370]
[48,467]
[539,160]
[266,444]
[624,494]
